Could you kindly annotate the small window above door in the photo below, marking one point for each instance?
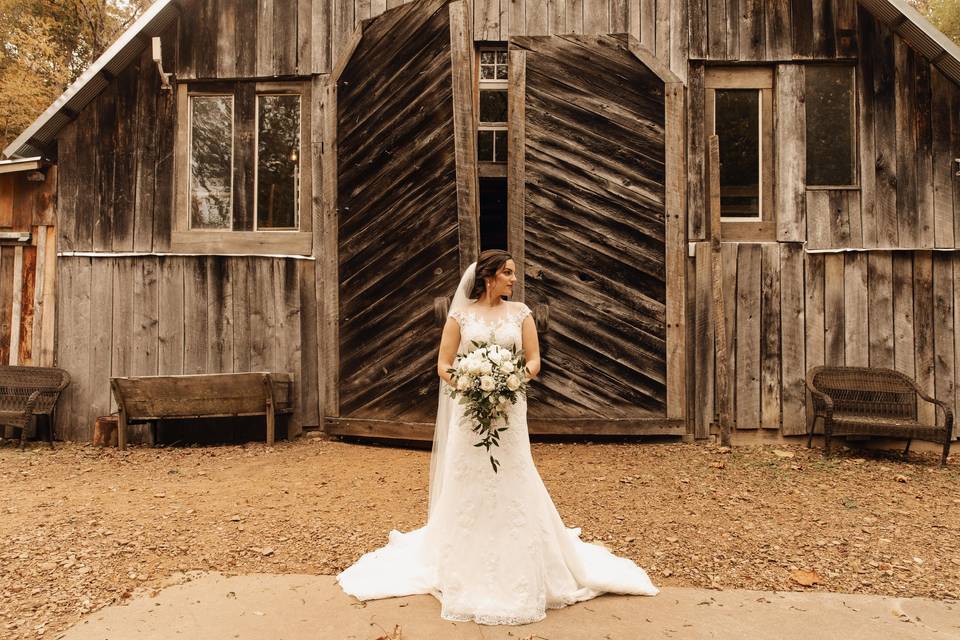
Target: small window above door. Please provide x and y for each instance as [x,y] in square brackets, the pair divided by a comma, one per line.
[492,75]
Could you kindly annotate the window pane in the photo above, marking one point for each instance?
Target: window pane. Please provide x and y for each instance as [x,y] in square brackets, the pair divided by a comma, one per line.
[738,126]
[831,155]
[502,71]
[493,106]
[485,145]
[500,146]
[486,72]
[211,162]
[278,161]
[487,57]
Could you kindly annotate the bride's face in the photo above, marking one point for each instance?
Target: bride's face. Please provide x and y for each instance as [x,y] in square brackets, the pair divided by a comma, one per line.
[502,284]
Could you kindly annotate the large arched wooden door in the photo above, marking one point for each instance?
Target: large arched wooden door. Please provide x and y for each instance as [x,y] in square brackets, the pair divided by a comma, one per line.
[406,213]
[588,224]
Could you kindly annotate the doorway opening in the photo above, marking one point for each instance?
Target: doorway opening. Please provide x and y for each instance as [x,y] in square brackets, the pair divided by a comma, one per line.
[493,213]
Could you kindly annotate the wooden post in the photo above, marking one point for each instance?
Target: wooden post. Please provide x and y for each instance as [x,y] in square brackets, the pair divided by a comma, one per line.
[719,318]
[122,430]
[270,408]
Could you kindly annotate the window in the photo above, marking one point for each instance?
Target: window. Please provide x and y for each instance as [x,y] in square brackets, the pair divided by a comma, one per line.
[243,168]
[740,111]
[492,127]
[830,115]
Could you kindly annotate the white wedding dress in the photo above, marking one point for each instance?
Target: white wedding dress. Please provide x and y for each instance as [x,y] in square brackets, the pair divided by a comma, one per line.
[494,549]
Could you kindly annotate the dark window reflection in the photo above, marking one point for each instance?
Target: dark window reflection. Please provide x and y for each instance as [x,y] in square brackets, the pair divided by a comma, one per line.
[738,126]
[830,134]
[211,162]
[278,161]
[493,106]
[485,145]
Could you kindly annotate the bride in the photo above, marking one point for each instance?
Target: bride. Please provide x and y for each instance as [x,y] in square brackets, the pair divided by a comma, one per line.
[494,549]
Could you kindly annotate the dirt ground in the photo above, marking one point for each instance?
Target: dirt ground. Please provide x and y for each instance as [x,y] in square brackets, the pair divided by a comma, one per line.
[83,527]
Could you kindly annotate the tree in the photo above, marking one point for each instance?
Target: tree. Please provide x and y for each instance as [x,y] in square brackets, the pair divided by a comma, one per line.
[47,44]
[944,14]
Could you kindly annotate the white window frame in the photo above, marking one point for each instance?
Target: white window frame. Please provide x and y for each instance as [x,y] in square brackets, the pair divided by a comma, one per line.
[497,85]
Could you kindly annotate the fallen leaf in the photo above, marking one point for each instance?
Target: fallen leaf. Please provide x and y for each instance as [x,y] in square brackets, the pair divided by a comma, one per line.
[806,577]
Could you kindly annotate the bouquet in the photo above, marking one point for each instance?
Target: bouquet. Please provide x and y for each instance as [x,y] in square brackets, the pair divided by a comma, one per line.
[487,380]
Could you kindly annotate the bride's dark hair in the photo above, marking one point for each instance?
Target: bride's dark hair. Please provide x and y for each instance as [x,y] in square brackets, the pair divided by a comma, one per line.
[488,264]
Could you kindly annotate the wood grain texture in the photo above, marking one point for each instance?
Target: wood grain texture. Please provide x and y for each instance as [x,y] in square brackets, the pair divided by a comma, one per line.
[942,91]
[880,308]
[792,321]
[886,121]
[815,332]
[594,226]
[748,336]
[866,137]
[923,318]
[676,224]
[856,342]
[903,355]
[790,134]
[770,334]
[704,343]
[396,87]
[516,166]
[833,311]
[944,354]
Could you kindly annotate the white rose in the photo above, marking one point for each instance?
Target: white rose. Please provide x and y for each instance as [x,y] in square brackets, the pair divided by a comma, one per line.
[486,368]
[473,367]
[506,366]
[487,383]
[495,356]
[463,383]
[513,383]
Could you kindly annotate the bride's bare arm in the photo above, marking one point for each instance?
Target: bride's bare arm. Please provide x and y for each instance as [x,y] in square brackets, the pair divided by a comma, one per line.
[531,346]
[449,342]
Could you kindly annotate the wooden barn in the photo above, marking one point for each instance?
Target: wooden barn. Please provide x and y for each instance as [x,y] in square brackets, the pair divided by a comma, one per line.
[296,185]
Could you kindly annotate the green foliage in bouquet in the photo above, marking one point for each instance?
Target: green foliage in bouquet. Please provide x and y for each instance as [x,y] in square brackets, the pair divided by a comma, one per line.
[488,379]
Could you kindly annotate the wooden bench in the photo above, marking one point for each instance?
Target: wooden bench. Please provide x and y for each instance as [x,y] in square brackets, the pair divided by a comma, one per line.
[25,393]
[860,401]
[215,395]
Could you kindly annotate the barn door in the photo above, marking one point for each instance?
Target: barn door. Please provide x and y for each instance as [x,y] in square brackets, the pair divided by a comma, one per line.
[406,214]
[588,224]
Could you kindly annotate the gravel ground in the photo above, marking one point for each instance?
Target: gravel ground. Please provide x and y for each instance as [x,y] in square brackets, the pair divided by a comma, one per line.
[83,527]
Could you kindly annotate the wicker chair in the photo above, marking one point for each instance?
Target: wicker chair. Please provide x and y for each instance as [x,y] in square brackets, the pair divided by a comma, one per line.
[859,401]
[26,392]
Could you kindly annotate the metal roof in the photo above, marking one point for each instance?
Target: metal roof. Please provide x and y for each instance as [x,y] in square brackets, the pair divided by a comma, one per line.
[919,33]
[95,79]
[902,18]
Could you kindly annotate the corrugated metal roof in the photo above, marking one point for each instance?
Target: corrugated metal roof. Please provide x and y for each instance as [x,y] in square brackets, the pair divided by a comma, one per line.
[95,79]
[919,33]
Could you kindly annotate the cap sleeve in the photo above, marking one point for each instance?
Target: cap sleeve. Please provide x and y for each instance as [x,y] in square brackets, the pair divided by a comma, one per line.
[457,315]
[524,311]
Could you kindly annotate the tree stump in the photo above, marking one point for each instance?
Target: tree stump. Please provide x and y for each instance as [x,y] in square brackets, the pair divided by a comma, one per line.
[105,431]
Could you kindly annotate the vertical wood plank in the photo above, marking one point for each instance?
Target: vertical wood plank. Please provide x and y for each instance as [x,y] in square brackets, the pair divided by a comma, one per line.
[147,130]
[824,36]
[227,19]
[305,36]
[880,308]
[793,343]
[6,300]
[886,122]
[908,226]
[596,16]
[943,165]
[903,351]
[790,133]
[84,355]
[731,32]
[675,223]
[40,277]
[778,35]
[818,214]
[923,311]
[16,306]
[728,256]
[833,298]
[944,301]
[815,335]
[330,307]
[770,328]
[220,316]
[748,336]
[321,35]
[6,199]
[28,278]
[243,298]
[696,152]
[678,23]
[486,19]
[538,17]
[845,23]
[309,376]
[145,340]
[516,166]
[697,34]
[99,339]
[801,23]
[465,140]
[856,340]
[170,329]
[923,133]
[866,134]
[703,343]
[717,29]
[752,37]
[68,347]
[956,343]
[517,19]
[195,332]
[266,47]
[121,340]
[48,328]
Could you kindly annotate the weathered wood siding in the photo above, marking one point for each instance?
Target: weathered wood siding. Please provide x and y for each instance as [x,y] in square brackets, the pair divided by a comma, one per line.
[28,270]
[896,309]
[172,315]
[397,208]
[146,314]
[594,225]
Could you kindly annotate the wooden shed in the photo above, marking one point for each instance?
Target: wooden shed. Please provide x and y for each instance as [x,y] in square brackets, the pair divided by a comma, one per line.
[292,186]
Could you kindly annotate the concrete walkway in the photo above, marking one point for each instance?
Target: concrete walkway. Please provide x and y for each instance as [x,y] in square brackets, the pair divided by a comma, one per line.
[298,607]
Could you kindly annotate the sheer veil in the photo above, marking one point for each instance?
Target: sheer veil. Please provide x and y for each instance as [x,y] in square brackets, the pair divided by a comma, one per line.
[445,402]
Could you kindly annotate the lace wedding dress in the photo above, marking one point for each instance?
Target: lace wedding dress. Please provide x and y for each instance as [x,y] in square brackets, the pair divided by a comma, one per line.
[494,549]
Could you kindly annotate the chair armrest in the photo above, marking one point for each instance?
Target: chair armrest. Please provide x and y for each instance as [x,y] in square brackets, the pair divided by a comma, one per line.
[947,411]
[822,403]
